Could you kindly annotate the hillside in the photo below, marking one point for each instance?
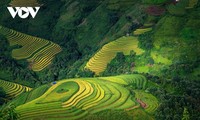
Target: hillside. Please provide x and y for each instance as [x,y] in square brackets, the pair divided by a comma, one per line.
[78,98]
[12,90]
[38,52]
[100,60]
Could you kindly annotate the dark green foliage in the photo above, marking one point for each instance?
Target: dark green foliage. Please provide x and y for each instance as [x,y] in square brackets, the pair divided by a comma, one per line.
[146,41]
[120,5]
[179,8]
[8,113]
[169,26]
[183,68]
[81,27]
[4,49]
[3,5]
[77,26]
[11,69]
[78,70]
[19,100]
[2,96]
[84,73]
[173,105]
[109,115]
[121,64]
[100,23]
[62,62]
[4,2]
[189,34]
[73,19]
[155,1]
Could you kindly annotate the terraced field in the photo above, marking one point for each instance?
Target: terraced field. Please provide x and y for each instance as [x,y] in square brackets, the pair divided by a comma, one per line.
[76,98]
[12,89]
[158,58]
[142,31]
[99,61]
[150,101]
[24,3]
[38,52]
[139,80]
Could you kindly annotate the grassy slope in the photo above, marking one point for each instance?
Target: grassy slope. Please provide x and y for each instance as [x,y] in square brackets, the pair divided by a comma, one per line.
[70,98]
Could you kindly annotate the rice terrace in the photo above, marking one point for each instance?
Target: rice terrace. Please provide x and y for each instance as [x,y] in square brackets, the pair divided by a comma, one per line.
[37,51]
[100,60]
[76,98]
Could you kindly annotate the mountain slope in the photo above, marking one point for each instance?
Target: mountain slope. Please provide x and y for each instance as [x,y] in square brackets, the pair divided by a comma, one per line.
[13,90]
[38,52]
[99,61]
[77,98]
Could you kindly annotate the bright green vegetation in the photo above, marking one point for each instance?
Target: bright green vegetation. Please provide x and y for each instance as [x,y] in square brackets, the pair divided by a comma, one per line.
[160,59]
[78,98]
[35,93]
[150,100]
[168,48]
[141,31]
[99,61]
[138,80]
[38,52]
[62,93]
[161,42]
[12,90]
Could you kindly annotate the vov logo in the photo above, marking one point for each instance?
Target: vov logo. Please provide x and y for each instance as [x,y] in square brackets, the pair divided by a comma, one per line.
[23,12]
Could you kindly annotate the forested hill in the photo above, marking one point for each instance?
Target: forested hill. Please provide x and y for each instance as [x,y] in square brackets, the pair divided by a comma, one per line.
[166,30]
[88,22]
[80,27]
[143,53]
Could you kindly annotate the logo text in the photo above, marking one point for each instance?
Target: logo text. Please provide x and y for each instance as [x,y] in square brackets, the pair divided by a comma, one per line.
[23,12]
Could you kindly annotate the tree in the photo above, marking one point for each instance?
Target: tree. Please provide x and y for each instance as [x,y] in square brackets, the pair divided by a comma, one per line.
[8,113]
[146,41]
[2,96]
[84,73]
[186,115]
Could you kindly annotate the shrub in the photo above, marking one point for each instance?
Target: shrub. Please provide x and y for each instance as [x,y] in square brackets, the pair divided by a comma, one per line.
[8,113]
